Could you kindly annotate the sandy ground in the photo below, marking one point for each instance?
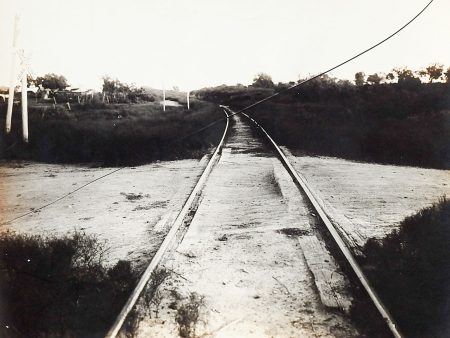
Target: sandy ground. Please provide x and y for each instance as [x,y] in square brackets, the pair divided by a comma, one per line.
[129,210]
[255,279]
[369,200]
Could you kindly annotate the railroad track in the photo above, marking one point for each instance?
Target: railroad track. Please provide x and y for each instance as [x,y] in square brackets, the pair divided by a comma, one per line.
[248,241]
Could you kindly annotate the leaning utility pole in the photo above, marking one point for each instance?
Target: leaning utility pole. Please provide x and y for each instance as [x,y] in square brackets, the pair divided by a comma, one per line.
[22,76]
[13,77]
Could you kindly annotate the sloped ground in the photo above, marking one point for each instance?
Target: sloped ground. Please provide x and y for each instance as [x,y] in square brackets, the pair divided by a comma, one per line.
[369,200]
[129,209]
[243,256]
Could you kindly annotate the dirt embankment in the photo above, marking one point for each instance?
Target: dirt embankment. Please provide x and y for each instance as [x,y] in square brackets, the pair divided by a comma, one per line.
[129,209]
[369,200]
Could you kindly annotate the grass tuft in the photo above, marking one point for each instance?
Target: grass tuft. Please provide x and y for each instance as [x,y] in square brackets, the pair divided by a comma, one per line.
[188,315]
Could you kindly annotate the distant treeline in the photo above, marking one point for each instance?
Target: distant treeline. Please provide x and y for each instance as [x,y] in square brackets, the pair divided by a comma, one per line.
[399,120]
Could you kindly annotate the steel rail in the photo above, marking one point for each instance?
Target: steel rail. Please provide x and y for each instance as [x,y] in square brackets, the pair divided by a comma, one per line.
[169,239]
[301,182]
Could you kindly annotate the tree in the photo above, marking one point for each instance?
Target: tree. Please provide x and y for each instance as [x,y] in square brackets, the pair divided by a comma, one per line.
[52,81]
[374,79]
[30,81]
[403,73]
[263,80]
[406,77]
[282,86]
[359,78]
[121,92]
[344,83]
[434,71]
[110,85]
[390,77]
[447,75]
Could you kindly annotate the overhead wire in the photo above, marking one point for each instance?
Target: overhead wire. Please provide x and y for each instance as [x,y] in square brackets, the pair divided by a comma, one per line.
[318,75]
[340,64]
[60,198]
[243,109]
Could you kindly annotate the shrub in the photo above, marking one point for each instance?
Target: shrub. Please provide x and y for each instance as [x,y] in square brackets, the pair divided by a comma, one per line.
[410,269]
[59,286]
[152,297]
[188,315]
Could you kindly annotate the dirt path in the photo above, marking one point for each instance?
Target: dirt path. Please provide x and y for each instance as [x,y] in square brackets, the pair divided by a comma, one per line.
[130,210]
[253,255]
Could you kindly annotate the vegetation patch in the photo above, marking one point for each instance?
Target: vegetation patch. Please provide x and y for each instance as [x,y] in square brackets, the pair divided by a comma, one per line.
[113,134]
[132,196]
[410,269]
[59,287]
[188,315]
[404,123]
[294,232]
[152,296]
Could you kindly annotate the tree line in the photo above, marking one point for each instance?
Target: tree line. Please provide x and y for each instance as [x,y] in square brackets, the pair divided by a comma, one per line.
[113,90]
[398,118]
[435,72]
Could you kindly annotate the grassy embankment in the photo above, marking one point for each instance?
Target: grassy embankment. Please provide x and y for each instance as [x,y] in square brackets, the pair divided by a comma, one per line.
[112,134]
[386,123]
[410,269]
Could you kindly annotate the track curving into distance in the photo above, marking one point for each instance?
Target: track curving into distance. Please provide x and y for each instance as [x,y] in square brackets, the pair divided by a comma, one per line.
[212,217]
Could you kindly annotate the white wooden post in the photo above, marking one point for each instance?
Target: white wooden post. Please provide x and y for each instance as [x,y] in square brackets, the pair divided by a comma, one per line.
[13,75]
[187,98]
[24,107]
[164,99]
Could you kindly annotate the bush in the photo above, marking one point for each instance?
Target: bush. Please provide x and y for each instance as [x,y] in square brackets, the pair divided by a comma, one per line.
[59,286]
[410,269]
[188,315]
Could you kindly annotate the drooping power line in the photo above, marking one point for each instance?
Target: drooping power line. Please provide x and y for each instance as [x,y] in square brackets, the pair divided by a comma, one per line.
[318,75]
[340,64]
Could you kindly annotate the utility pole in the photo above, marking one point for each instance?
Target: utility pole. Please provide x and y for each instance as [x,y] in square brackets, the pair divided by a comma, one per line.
[164,98]
[187,99]
[13,75]
[24,105]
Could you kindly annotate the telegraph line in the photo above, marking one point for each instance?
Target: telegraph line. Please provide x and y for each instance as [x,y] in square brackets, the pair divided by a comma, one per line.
[340,64]
[318,75]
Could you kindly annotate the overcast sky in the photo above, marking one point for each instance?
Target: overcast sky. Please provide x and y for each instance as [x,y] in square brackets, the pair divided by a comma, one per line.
[197,43]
